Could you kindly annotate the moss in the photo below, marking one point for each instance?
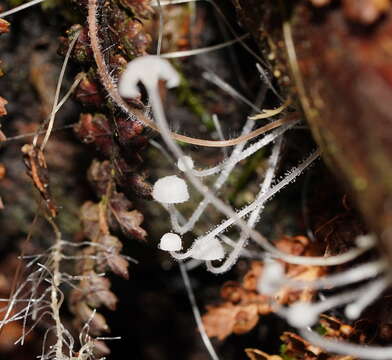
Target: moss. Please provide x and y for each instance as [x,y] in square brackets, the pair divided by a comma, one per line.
[321,330]
[240,180]
[282,350]
[189,98]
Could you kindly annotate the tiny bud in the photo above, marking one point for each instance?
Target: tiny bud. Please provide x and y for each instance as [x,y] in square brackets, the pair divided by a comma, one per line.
[170,190]
[170,242]
[271,279]
[185,163]
[302,315]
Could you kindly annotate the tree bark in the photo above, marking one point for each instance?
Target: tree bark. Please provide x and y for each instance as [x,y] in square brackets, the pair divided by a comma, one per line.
[339,65]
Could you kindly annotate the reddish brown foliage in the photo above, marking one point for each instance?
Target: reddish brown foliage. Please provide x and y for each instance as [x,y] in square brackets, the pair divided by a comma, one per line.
[362,11]
[296,348]
[243,304]
[38,171]
[4,26]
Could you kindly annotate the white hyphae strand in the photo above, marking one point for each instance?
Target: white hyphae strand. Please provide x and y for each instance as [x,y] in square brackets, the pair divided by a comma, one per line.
[254,216]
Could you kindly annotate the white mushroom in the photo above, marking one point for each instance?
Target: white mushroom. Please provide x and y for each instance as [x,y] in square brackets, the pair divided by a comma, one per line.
[208,249]
[170,242]
[170,190]
[149,69]
[272,278]
[302,315]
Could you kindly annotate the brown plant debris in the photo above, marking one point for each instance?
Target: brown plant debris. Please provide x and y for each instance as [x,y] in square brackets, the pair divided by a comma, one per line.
[365,12]
[103,254]
[294,347]
[4,26]
[243,305]
[38,171]
[3,110]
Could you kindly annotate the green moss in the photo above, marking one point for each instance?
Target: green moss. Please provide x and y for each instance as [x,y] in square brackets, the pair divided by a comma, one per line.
[321,330]
[239,180]
[283,349]
[14,3]
[61,6]
[52,4]
[189,98]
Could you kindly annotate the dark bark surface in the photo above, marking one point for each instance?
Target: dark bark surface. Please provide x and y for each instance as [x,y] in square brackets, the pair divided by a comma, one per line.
[341,71]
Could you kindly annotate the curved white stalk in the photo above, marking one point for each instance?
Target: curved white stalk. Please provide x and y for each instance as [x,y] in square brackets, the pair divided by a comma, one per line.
[350,276]
[250,150]
[254,216]
[196,313]
[305,314]
[376,288]
[345,348]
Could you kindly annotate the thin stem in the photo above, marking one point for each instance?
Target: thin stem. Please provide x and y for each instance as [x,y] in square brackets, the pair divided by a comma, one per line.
[20,8]
[57,95]
[193,52]
[254,216]
[220,83]
[196,312]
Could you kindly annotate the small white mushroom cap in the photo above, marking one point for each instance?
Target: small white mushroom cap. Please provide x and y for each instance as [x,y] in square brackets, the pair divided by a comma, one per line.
[170,242]
[170,190]
[147,69]
[302,315]
[208,249]
[272,278]
[185,162]
[365,241]
[352,311]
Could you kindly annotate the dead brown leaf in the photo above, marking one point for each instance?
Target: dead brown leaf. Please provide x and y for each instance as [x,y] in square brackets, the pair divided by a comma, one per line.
[365,12]
[255,354]
[3,103]
[38,171]
[127,220]
[4,26]
[221,321]
[244,305]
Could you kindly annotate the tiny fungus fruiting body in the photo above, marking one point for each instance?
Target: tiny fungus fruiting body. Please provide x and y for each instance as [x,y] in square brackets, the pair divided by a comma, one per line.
[184,163]
[302,315]
[170,242]
[170,190]
[208,249]
[148,69]
[271,280]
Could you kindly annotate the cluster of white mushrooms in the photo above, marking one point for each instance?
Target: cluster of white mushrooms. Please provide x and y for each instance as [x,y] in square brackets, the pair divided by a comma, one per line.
[215,245]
